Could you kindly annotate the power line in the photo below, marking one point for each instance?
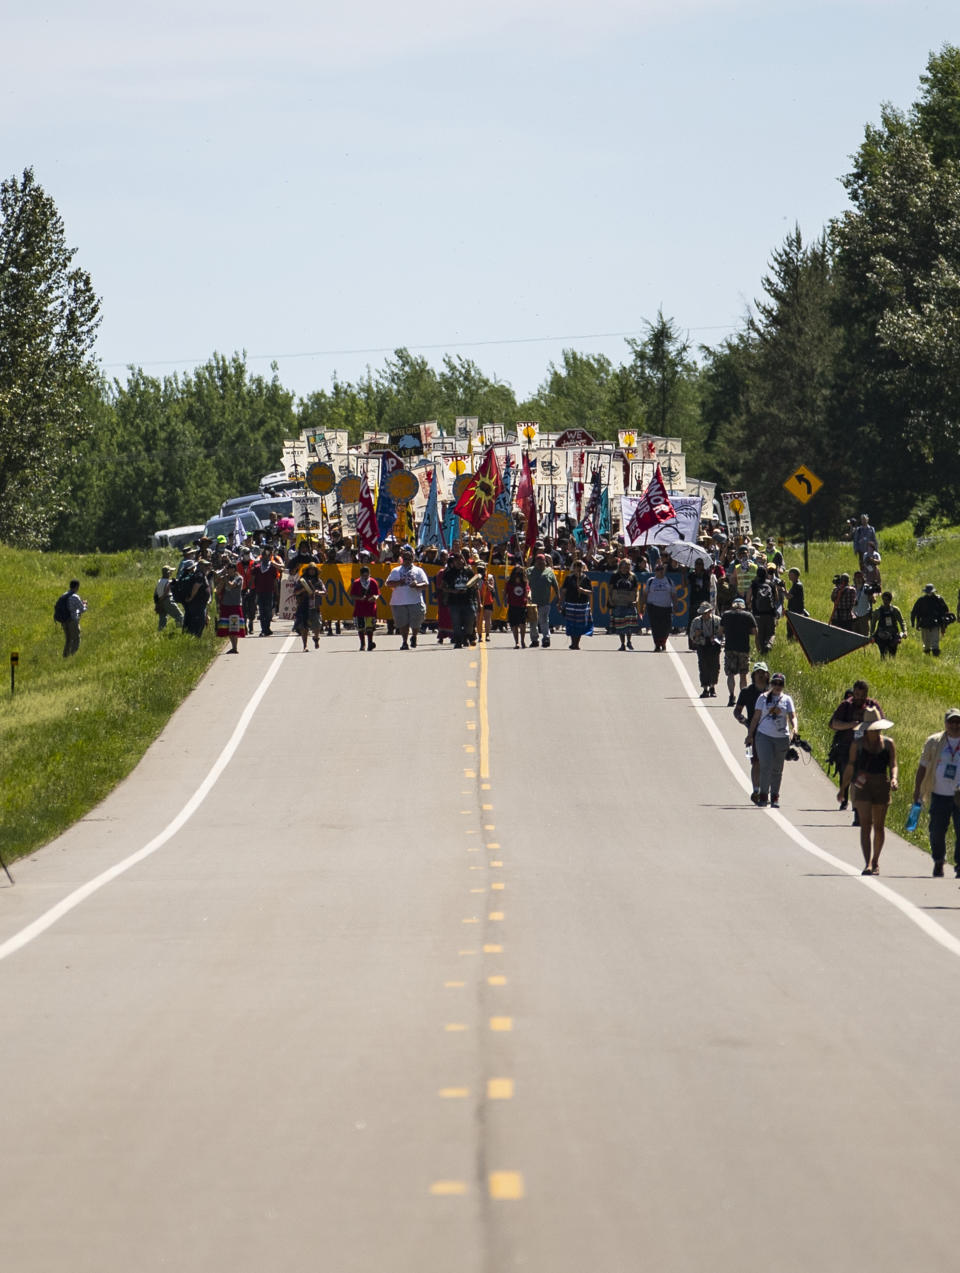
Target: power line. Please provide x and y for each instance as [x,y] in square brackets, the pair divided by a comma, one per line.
[389,349]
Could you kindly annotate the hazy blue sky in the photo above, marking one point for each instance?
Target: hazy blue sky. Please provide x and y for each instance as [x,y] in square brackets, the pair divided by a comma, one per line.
[307,180]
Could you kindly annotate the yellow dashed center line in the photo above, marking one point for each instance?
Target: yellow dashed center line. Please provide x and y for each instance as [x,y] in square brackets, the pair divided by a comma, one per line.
[500,1024]
[448,1188]
[499,1089]
[455,1093]
[505,1186]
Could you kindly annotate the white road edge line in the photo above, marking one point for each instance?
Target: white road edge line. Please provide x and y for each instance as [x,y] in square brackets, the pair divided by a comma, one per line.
[73,900]
[912,912]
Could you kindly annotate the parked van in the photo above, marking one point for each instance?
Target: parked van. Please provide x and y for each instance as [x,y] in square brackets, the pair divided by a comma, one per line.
[176,536]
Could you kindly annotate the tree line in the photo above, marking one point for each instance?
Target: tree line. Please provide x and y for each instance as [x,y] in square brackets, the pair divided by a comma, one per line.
[849,362]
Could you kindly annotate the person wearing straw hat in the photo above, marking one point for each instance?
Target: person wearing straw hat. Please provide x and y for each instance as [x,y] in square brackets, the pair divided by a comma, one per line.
[706,639]
[871,775]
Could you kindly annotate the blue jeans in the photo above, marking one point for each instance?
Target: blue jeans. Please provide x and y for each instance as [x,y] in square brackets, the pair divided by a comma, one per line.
[943,811]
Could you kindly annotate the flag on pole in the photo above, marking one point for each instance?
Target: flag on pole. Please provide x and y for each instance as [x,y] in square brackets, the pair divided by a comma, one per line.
[479,496]
[591,517]
[652,508]
[386,504]
[367,533]
[505,498]
[527,503]
[430,525]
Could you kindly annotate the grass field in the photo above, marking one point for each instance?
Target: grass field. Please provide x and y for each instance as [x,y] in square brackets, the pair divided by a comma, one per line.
[74,727]
[913,689]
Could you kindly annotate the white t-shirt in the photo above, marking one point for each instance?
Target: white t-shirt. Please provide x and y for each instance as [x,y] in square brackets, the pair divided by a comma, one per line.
[775,711]
[948,767]
[402,579]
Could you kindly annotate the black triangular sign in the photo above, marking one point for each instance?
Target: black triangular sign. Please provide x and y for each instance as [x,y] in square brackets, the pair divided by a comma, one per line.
[821,642]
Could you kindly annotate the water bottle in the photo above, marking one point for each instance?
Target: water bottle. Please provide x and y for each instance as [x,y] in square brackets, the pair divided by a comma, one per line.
[913,817]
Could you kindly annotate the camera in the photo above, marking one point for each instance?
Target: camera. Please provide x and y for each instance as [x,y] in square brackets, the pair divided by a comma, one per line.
[802,744]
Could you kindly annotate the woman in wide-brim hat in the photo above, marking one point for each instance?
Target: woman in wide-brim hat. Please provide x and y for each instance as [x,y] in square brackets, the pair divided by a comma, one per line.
[871,775]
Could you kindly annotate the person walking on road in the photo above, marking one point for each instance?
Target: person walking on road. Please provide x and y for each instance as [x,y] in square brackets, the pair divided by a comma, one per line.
[658,606]
[266,575]
[517,593]
[737,625]
[848,716]
[365,593]
[743,712]
[870,775]
[624,592]
[929,614]
[706,639]
[408,583]
[230,621]
[544,590]
[936,784]
[577,598]
[773,725]
[67,611]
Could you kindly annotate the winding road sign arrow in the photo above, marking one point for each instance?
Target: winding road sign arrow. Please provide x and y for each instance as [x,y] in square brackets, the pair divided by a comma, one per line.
[802,484]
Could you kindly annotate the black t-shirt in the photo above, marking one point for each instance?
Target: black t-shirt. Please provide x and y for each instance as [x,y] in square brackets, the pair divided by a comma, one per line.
[456,579]
[738,627]
[747,701]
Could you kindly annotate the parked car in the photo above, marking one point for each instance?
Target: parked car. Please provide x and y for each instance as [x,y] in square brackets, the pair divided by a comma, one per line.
[239,501]
[250,522]
[176,536]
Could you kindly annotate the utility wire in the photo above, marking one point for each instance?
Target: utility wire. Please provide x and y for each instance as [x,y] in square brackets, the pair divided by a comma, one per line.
[389,349]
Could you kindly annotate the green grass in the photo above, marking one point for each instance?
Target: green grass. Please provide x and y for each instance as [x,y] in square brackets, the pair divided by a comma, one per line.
[73,728]
[913,689]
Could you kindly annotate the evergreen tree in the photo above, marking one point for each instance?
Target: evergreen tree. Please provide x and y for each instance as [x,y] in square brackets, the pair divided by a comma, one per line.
[48,322]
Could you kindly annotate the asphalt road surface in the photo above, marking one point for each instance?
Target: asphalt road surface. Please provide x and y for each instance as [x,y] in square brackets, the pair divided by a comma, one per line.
[467,962]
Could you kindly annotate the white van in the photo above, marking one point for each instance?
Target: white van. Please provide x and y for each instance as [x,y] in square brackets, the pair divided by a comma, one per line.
[176,536]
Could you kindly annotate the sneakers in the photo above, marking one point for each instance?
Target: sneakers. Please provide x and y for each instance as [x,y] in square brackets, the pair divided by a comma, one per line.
[843,806]
[546,643]
[761,802]
[413,640]
[754,797]
[937,870]
[774,802]
[404,646]
[731,701]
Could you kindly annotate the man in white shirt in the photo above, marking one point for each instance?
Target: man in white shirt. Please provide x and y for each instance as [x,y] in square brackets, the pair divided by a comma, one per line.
[409,584]
[937,780]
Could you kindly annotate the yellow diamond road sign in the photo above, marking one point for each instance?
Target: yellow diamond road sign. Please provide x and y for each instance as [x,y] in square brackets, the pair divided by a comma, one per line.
[802,484]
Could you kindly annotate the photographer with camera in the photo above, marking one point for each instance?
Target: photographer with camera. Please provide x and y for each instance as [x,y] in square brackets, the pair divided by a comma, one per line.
[863,605]
[773,724]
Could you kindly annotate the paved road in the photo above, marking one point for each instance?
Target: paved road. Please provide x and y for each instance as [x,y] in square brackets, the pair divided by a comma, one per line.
[470,962]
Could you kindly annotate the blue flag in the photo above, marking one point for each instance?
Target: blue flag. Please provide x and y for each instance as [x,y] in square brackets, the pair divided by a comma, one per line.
[451,527]
[603,523]
[430,526]
[386,504]
[505,498]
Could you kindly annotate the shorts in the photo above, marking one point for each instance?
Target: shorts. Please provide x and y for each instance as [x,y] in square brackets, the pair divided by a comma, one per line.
[735,663]
[409,616]
[875,789]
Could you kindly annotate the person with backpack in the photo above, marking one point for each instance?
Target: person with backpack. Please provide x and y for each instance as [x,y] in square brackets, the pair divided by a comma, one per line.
[197,598]
[764,607]
[163,601]
[67,610]
[889,628]
[929,614]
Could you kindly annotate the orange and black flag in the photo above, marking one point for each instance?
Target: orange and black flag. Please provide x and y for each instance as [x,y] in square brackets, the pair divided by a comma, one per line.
[479,496]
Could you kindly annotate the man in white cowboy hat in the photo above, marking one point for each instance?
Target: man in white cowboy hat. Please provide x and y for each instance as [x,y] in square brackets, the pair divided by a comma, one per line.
[706,639]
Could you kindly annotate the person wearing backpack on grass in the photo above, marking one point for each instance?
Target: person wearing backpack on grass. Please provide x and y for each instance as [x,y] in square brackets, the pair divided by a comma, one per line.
[764,602]
[67,611]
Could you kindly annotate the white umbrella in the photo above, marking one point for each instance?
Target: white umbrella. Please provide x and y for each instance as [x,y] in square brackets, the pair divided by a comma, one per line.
[686,554]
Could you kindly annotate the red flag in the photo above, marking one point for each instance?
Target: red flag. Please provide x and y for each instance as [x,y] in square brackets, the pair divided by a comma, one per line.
[367,519]
[480,494]
[654,507]
[527,503]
